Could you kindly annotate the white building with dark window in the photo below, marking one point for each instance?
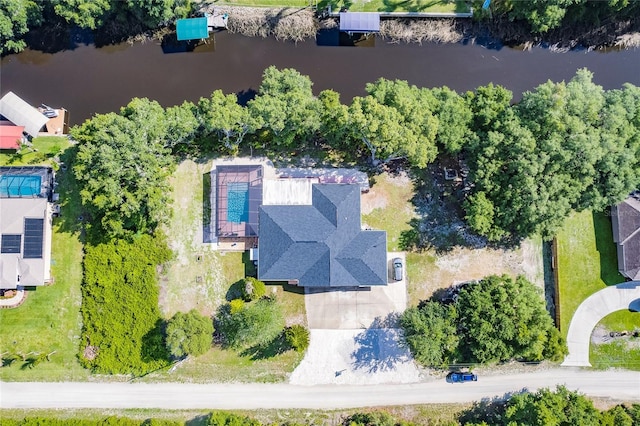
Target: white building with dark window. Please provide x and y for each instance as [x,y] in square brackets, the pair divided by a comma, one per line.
[25,226]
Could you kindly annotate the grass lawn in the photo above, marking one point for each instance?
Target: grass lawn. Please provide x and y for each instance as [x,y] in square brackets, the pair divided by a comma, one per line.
[49,320]
[44,148]
[361,5]
[587,263]
[615,354]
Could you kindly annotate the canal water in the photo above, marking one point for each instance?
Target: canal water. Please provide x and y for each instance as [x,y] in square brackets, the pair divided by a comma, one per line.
[86,80]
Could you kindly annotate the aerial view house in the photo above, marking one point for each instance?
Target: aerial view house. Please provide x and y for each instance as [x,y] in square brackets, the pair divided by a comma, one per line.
[625,218]
[301,226]
[25,226]
[322,244]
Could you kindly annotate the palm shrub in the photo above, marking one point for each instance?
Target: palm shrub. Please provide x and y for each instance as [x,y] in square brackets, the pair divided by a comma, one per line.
[297,337]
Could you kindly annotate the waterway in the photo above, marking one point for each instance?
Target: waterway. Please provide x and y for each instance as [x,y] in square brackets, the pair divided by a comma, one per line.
[86,80]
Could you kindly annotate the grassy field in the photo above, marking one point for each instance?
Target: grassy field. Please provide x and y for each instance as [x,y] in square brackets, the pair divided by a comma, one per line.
[43,150]
[49,320]
[587,263]
[429,6]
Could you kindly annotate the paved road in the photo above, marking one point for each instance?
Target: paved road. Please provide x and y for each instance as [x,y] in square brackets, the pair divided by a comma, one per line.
[620,385]
[590,312]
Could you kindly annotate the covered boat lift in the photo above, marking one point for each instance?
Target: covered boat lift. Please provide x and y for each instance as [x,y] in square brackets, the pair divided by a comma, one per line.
[359,22]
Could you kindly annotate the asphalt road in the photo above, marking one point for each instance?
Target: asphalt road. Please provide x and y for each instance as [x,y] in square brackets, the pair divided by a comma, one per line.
[619,385]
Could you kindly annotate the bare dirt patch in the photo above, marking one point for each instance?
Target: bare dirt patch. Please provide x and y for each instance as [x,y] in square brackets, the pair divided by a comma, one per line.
[196,277]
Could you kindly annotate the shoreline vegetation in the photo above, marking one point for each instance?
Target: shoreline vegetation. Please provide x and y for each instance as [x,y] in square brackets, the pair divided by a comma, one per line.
[508,23]
[298,24]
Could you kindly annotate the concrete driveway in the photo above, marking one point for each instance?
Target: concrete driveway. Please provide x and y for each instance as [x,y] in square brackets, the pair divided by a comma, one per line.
[343,308]
[590,312]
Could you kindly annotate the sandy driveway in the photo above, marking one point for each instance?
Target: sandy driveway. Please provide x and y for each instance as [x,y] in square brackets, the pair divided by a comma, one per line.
[619,385]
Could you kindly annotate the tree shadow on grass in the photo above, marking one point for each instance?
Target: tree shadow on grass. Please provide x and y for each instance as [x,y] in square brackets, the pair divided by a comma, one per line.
[201,420]
[606,248]
[488,410]
[269,350]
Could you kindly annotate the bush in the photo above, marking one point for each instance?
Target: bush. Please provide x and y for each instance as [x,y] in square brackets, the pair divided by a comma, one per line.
[374,418]
[253,289]
[236,305]
[122,327]
[222,418]
[257,323]
[297,337]
[189,334]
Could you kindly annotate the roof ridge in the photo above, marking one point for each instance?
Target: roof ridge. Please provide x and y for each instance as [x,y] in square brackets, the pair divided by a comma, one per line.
[632,235]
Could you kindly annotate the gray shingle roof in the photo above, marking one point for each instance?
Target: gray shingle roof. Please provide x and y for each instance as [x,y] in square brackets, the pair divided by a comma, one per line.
[626,233]
[321,245]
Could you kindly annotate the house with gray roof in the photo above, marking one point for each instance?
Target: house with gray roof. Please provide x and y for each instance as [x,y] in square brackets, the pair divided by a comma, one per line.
[321,244]
[625,218]
[25,226]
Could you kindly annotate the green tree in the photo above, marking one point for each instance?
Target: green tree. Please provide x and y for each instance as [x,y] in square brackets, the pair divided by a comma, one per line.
[222,116]
[454,119]
[616,416]
[154,13]
[122,167]
[16,16]
[286,107]
[378,128]
[256,324]
[84,13]
[334,119]
[542,15]
[189,334]
[553,408]
[415,108]
[430,331]
[502,318]
[181,124]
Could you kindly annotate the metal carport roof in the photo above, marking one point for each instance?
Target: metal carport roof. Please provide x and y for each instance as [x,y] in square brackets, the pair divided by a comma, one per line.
[192,28]
[21,113]
[360,22]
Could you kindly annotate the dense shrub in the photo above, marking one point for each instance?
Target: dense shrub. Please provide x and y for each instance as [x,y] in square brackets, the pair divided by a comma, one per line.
[257,323]
[222,418]
[253,289]
[297,337]
[374,418]
[189,334]
[122,328]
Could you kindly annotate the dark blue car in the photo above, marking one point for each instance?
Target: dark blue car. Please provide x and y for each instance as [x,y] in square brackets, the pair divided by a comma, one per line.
[457,377]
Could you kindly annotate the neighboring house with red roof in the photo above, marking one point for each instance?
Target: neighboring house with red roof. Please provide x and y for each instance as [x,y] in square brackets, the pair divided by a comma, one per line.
[625,218]
[11,136]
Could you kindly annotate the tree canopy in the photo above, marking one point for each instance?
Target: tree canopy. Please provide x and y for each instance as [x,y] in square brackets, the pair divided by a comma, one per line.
[564,147]
[15,18]
[122,165]
[189,334]
[494,319]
